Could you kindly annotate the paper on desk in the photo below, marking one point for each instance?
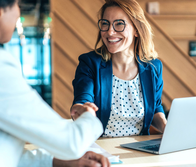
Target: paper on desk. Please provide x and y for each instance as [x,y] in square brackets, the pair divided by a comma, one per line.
[99,150]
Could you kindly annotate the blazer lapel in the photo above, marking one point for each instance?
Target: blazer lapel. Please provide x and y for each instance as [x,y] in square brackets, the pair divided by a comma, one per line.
[148,94]
[106,91]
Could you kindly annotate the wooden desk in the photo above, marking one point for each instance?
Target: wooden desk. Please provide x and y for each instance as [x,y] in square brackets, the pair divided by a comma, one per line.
[133,158]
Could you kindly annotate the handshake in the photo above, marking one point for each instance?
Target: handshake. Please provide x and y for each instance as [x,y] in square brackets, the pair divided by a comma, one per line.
[79,109]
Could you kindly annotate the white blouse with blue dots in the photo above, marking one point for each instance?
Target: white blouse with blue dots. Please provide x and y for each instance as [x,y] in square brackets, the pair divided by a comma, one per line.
[127,109]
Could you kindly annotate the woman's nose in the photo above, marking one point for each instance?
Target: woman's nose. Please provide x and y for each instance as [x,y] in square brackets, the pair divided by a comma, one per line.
[111,30]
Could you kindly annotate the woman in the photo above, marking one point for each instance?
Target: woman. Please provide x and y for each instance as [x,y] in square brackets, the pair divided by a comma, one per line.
[25,117]
[122,77]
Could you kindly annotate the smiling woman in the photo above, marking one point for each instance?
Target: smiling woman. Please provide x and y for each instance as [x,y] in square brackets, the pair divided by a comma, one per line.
[122,77]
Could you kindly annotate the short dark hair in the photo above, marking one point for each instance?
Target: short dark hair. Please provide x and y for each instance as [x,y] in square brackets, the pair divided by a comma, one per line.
[7,3]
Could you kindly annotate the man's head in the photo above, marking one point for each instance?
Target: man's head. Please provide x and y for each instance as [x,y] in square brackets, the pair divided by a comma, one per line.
[9,14]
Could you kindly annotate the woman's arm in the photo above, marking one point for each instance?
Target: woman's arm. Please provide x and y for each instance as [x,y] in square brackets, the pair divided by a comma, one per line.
[84,81]
[159,121]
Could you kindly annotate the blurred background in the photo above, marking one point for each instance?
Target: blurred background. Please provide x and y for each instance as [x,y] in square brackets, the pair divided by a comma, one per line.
[52,34]
[31,45]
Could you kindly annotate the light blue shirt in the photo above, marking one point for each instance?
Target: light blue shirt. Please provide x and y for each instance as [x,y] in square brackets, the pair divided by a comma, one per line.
[25,117]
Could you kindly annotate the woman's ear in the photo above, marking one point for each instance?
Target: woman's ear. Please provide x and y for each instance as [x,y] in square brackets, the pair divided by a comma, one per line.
[136,33]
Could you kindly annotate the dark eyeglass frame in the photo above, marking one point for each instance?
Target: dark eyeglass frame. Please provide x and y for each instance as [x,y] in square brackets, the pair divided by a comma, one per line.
[112,25]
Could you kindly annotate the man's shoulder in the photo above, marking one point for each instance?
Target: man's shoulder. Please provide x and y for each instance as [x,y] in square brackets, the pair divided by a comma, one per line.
[6,59]
[6,56]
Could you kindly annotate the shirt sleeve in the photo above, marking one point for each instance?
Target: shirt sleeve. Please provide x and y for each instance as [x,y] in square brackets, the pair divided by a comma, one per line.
[35,158]
[26,116]
[11,149]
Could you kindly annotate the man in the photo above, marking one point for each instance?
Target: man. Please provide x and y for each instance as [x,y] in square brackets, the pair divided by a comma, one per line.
[25,117]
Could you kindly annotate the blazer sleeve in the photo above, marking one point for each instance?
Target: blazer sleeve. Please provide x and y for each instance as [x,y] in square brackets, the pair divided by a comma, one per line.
[26,116]
[159,87]
[84,81]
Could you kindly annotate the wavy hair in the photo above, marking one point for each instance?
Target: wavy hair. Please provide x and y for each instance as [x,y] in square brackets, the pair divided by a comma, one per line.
[144,46]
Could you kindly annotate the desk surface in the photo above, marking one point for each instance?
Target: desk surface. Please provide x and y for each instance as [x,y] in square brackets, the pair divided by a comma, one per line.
[133,158]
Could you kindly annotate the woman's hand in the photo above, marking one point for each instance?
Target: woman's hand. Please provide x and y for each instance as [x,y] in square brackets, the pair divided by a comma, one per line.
[79,109]
[159,121]
[90,159]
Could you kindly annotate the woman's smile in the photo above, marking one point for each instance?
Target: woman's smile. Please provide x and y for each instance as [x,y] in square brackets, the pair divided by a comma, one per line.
[113,40]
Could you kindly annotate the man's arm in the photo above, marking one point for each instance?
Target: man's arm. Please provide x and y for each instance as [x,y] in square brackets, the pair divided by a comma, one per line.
[36,158]
[41,158]
[26,116]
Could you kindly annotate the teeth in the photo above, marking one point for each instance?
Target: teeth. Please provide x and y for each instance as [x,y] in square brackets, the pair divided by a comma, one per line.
[113,40]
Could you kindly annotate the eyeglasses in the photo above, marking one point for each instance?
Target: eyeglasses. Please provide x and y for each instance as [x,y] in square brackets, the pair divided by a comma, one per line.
[118,25]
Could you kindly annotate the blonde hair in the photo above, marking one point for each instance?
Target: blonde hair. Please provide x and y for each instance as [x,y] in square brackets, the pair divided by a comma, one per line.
[144,46]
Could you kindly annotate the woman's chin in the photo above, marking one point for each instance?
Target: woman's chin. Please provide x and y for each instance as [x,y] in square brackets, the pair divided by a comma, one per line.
[112,51]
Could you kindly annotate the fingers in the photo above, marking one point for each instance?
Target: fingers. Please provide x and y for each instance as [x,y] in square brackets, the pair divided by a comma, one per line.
[92,105]
[75,107]
[90,159]
[98,158]
[75,116]
[74,110]
[79,109]
[83,162]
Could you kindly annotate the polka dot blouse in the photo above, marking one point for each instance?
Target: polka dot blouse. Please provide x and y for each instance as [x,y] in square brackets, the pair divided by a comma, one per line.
[127,108]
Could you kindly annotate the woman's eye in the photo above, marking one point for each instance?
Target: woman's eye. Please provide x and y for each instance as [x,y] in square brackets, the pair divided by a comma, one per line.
[119,24]
[104,23]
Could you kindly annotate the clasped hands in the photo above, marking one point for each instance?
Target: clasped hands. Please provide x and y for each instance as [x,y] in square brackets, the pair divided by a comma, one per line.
[79,109]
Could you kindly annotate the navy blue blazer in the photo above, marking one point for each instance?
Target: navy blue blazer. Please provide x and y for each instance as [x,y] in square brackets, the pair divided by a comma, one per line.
[93,83]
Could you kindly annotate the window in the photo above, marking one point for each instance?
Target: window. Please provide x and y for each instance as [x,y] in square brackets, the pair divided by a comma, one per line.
[35,58]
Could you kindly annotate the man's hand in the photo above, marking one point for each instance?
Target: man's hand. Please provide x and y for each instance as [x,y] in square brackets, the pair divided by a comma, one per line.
[90,159]
[79,109]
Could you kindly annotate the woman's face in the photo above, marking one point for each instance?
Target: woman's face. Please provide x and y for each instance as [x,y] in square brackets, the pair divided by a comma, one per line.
[118,41]
[8,18]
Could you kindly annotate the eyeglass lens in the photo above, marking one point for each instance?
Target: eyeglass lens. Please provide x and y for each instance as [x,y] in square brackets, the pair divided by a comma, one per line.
[118,25]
